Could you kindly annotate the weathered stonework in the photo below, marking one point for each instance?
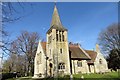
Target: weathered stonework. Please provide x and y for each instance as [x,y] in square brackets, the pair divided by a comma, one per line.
[56,57]
[40,62]
[100,62]
[80,69]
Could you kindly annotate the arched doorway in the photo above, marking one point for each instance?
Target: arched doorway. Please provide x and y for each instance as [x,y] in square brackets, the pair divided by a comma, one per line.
[50,65]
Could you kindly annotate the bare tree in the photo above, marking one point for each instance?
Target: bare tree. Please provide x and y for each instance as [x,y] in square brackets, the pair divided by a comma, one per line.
[27,45]
[17,48]
[10,14]
[109,38]
[14,63]
[22,52]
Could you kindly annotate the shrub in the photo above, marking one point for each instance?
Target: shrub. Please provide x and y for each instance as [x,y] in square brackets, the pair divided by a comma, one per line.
[67,76]
[8,75]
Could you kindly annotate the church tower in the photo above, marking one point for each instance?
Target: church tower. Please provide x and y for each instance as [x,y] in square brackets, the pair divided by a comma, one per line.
[57,47]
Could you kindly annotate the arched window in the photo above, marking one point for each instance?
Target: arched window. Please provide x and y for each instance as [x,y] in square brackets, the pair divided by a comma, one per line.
[60,35]
[56,35]
[61,51]
[61,66]
[100,61]
[63,35]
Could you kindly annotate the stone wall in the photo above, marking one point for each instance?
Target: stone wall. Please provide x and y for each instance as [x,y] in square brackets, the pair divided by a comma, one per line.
[40,62]
[79,69]
[100,64]
[58,52]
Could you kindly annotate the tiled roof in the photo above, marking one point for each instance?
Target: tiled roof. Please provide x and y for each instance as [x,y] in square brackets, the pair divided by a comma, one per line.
[92,54]
[44,46]
[77,52]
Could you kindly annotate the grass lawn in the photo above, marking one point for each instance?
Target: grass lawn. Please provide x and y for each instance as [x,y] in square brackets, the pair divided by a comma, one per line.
[93,76]
[106,76]
[21,78]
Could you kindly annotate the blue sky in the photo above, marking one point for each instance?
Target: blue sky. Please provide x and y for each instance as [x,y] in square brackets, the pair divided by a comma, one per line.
[84,20]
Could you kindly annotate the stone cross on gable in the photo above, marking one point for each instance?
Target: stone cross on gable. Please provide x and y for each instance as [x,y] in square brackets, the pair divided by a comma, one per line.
[97,48]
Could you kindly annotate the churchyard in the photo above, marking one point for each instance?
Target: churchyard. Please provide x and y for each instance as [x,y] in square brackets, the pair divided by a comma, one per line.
[25,55]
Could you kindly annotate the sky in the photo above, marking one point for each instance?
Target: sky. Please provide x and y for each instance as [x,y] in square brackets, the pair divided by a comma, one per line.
[84,20]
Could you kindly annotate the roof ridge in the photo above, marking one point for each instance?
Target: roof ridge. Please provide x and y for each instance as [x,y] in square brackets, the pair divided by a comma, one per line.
[85,52]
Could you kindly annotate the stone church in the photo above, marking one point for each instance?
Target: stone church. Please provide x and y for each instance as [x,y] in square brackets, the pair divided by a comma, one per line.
[58,57]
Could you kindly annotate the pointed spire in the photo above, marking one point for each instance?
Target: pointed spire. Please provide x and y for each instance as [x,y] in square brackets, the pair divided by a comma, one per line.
[56,23]
[56,18]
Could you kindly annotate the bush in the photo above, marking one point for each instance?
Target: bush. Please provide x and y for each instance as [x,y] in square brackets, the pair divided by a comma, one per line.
[8,75]
[67,76]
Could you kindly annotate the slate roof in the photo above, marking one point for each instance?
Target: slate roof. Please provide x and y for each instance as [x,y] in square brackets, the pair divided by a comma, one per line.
[92,54]
[78,53]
